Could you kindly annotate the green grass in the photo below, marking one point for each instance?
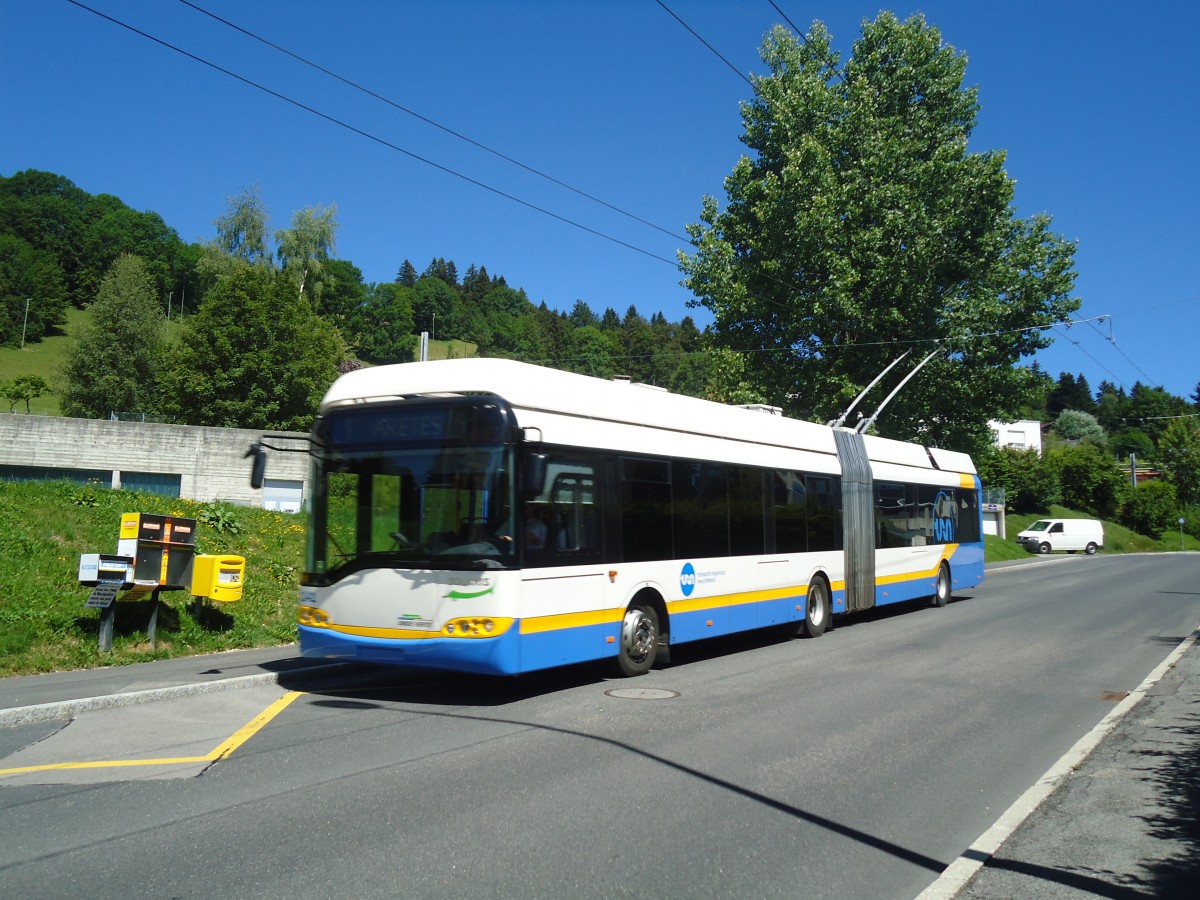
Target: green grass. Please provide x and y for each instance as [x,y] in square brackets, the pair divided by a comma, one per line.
[1117,538]
[44,625]
[47,358]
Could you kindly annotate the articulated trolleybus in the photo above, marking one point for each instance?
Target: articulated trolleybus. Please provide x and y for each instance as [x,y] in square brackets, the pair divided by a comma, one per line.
[496,517]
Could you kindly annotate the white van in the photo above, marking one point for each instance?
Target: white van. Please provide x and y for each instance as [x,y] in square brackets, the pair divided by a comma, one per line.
[1047,535]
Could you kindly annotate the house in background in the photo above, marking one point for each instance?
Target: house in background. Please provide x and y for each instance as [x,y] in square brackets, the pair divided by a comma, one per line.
[1023,435]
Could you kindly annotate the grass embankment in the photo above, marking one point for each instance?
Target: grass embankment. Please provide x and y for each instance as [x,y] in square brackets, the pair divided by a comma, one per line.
[45,358]
[1117,538]
[44,625]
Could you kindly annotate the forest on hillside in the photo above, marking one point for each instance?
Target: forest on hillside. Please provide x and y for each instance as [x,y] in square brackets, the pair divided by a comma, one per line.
[61,247]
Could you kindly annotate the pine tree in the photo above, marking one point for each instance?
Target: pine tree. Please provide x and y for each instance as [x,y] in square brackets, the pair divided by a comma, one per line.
[115,362]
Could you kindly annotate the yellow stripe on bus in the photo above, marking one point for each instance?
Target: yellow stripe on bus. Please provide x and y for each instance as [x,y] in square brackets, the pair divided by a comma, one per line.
[947,552]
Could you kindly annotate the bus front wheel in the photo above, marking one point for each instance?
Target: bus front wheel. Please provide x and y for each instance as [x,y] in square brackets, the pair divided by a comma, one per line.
[639,640]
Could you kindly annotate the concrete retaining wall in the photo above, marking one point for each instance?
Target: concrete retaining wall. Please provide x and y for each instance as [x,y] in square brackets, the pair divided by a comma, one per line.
[209,462]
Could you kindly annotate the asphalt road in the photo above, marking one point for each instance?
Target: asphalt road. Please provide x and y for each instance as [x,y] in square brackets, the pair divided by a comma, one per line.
[857,765]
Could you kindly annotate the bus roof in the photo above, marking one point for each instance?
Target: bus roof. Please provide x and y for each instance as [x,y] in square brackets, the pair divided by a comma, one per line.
[538,390]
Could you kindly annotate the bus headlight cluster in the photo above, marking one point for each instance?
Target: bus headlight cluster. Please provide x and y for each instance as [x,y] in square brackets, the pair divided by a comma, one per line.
[314,617]
[470,627]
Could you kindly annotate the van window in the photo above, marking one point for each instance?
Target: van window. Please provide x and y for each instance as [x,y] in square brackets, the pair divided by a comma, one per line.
[1056,528]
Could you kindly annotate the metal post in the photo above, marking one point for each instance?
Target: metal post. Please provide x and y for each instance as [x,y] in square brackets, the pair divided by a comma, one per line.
[152,628]
[106,626]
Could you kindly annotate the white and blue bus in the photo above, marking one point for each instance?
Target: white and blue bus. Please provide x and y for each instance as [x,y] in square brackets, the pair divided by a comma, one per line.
[491,516]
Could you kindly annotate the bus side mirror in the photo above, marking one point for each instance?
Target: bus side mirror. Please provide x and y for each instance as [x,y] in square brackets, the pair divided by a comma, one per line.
[259,467]
[534,476]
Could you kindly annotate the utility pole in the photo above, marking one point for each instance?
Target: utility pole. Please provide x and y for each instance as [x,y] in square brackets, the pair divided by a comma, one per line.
[26,322]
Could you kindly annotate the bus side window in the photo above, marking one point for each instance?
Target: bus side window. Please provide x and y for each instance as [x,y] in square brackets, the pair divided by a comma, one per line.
[571,511]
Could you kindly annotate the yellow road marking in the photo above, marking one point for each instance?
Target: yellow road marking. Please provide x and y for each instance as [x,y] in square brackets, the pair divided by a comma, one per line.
[222,750]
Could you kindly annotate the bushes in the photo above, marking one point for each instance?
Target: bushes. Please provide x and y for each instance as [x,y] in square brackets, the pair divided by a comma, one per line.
[1089,480]
[1029,482]
[1083,478]
[1153,509]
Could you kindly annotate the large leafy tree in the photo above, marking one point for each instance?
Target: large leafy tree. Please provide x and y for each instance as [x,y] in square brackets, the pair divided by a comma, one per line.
[860,226]
[1179,457]
[113,365]
[383,325]
[254,356]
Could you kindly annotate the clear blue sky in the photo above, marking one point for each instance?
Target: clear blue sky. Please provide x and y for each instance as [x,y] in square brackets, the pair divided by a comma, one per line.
[1096,103]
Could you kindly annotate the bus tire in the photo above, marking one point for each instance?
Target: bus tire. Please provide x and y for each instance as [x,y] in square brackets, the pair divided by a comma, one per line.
[817,609]
[1091,549]
[638,641]
[942,590]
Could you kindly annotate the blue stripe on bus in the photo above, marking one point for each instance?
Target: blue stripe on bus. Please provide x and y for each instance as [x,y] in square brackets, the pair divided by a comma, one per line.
[484,656]
[513,652]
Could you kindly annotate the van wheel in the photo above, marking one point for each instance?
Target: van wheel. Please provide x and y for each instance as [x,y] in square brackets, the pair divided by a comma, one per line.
[1043,547]
[941,593]
[1091,549]
[817,609]
[639,641]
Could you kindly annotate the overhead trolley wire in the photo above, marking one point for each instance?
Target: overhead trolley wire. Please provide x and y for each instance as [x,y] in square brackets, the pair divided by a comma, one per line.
[428,121]
[336,121]
[715,52]
[1112,340]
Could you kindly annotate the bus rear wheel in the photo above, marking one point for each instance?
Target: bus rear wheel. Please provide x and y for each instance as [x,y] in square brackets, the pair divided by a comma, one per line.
[817,609]
[942,591]
[639,641]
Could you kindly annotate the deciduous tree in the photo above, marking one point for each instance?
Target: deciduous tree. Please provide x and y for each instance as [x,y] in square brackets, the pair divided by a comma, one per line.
[305,248]
[254,356]
[860,225]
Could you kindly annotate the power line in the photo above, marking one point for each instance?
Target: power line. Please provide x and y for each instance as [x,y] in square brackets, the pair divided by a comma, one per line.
[715,52]
[1080,348]
[428,121]
[791,25]
[1112,340]
[372,137]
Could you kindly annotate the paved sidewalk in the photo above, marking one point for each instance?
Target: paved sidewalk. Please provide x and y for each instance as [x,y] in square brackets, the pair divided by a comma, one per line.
[61,694]
[1126,822]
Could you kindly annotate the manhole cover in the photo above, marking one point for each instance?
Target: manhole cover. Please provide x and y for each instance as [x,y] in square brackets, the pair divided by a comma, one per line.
[642,693]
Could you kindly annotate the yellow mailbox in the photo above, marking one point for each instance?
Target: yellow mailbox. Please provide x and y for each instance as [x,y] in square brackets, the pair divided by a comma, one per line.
[219,578]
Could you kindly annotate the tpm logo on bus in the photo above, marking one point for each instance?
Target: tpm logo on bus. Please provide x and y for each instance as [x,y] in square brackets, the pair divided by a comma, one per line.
[945,521]
[687,579]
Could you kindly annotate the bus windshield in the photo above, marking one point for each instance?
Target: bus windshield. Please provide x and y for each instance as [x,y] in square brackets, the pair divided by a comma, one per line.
[404,489]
